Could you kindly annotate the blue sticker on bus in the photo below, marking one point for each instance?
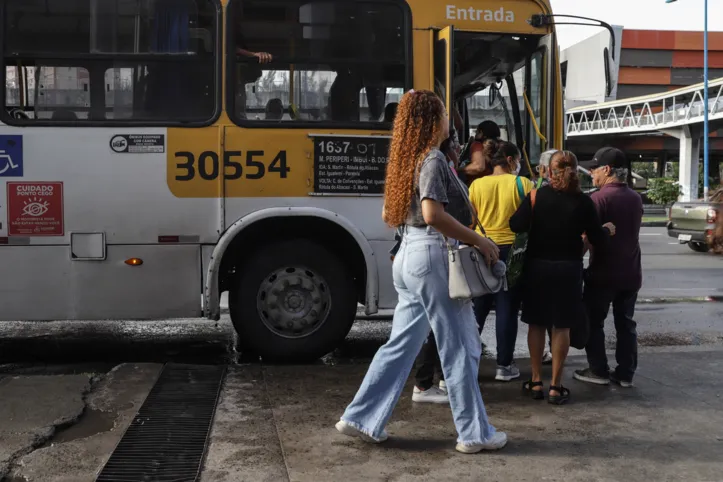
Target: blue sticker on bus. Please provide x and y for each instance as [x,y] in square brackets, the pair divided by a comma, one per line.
[11,156]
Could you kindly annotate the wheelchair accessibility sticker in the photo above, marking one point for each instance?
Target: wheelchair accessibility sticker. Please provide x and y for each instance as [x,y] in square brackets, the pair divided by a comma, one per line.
[11,156]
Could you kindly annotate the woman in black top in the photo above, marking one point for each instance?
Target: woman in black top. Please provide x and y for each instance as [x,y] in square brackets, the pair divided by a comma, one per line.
[552,287]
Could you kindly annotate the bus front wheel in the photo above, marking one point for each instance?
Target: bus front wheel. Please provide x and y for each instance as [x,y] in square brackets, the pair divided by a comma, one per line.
[293,301]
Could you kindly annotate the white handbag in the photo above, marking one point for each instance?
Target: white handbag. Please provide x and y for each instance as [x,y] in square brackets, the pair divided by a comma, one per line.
[469,275]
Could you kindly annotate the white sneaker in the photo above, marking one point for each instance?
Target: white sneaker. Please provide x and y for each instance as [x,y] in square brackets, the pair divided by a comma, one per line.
[623,383]
[496,442]
[505,374]
[432,395]
[547,358]
[443,386]
[350,431]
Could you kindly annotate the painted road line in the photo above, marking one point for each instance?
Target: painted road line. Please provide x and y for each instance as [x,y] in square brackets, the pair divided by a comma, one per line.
[675,299]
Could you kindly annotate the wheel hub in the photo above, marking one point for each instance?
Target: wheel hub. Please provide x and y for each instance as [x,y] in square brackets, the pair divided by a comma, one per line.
[293,302]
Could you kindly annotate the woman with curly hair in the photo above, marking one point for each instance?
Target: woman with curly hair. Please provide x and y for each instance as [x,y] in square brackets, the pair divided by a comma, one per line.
[556,217]
[420,197]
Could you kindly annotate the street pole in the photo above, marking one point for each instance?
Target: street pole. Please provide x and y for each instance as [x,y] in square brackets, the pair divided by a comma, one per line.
[706,131]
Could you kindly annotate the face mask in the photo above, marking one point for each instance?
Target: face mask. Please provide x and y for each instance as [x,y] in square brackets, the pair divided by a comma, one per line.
[518,168]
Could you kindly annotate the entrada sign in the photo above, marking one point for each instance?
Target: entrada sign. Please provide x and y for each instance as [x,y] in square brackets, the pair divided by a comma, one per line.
[476,14]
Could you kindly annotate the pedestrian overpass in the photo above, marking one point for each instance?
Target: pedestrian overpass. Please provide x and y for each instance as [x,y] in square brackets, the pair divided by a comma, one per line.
[678,113]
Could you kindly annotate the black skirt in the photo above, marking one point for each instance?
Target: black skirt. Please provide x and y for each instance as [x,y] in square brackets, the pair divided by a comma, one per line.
[552,293]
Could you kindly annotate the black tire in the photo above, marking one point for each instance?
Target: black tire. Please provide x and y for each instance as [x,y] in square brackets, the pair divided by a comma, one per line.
[265,273]
[698,247]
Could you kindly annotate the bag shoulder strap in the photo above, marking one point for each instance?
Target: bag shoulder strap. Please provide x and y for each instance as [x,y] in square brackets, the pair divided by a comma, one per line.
[462,188]
[533,198]
[520,188]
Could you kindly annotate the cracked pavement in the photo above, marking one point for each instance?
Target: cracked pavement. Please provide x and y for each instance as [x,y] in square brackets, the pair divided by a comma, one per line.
[63,428]
[31,410]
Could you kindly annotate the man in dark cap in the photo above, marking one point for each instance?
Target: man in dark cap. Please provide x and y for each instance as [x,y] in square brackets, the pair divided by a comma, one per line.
[488,130]
[615,273]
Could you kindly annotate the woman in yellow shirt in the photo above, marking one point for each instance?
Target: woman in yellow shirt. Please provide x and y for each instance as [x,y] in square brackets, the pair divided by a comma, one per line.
[496,198]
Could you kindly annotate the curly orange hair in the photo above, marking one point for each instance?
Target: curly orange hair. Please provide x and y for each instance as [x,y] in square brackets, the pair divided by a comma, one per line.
[417,129]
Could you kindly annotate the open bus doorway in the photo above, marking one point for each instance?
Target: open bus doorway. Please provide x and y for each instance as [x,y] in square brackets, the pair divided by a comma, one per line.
[502,78]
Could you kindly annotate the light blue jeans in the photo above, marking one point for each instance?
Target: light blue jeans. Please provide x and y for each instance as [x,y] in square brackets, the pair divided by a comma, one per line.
[421,279]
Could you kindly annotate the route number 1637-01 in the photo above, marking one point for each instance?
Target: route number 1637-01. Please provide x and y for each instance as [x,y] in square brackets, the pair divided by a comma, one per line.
[207,165]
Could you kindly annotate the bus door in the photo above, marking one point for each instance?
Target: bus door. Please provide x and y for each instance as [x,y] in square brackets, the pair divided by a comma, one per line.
[443,62]
[551,89]
[540,101]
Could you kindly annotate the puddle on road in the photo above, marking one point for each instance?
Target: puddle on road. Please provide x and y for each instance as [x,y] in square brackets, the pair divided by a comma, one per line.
[14,478]
[92,422]
[88,342]
[28,369]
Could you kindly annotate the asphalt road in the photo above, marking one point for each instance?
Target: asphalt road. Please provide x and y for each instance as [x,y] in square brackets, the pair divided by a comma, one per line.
[41,347]
[672,270]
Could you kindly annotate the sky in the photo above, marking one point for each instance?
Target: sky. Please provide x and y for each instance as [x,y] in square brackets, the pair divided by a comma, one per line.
[637,14]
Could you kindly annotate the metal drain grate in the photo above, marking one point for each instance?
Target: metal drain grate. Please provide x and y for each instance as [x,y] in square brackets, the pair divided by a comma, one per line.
[167,440]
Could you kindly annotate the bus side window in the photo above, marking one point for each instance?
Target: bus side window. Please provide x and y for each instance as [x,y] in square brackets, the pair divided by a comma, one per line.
[375,97]
[158,60]
[344,97]
[329,62]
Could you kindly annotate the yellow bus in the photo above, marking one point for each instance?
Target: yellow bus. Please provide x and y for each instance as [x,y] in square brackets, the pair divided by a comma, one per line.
[157,154]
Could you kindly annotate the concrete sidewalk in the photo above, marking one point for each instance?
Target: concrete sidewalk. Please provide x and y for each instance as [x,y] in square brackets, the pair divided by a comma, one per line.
[63,427]
[276,424]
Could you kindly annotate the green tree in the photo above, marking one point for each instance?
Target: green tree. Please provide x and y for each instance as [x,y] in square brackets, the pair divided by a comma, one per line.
[674,169]
[663,191]
[644,169]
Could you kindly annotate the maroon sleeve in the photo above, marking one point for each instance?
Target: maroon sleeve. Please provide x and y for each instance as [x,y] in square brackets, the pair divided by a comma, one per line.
[599,200]
[596,234]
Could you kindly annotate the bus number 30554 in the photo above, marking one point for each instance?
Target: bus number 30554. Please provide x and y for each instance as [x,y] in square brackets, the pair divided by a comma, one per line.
[208,167]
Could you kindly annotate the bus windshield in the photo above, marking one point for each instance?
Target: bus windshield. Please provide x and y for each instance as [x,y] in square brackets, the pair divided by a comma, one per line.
[493,75]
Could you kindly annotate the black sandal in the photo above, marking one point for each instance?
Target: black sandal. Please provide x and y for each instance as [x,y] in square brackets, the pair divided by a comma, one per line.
[528,386]
[562,398]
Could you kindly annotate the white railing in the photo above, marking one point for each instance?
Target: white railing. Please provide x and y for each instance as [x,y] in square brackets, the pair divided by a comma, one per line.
[648,113]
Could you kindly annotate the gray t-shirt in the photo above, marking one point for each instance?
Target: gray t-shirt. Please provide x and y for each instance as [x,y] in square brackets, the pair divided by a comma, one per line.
[436,183]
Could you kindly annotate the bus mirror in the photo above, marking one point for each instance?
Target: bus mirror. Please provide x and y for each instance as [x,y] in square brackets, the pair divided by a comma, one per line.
[541,21]
[494,94]
[611,71]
